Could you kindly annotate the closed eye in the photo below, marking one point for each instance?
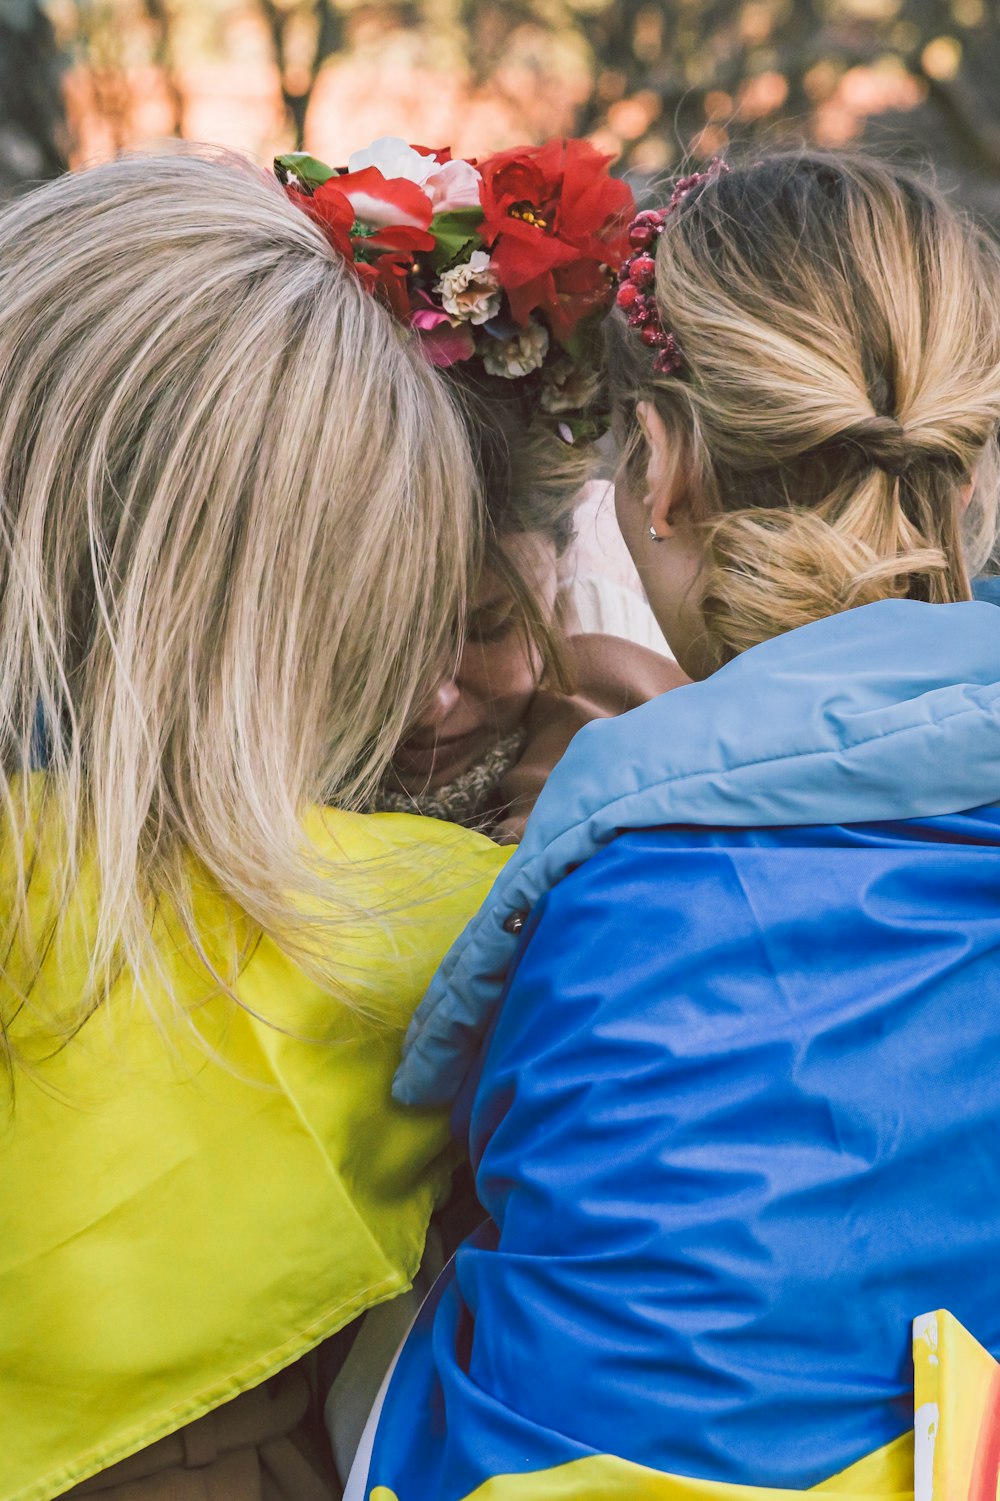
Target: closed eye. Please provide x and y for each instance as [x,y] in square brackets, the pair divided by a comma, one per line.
[487,627]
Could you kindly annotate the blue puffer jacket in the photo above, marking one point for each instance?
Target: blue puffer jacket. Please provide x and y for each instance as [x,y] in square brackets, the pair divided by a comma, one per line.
[737,1119]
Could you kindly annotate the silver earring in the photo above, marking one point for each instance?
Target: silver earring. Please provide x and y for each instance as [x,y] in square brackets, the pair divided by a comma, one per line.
[654,535]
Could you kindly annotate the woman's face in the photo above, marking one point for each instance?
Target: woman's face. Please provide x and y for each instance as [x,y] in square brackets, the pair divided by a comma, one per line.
[495,680]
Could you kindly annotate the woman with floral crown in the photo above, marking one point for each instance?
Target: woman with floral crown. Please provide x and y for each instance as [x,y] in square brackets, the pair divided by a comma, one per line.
[504,267]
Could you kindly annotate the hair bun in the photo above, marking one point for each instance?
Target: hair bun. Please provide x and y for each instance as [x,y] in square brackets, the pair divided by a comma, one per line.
[769,571]
[884,443]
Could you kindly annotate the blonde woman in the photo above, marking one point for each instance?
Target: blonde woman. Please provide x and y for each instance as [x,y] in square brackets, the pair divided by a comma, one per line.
[737,1119]
[238,517]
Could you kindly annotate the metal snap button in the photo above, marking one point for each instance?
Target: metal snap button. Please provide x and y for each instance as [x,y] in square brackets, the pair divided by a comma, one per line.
[515,922]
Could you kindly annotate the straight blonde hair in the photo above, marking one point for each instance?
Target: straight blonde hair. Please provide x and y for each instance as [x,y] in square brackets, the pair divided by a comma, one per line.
[839,323]
[238,513]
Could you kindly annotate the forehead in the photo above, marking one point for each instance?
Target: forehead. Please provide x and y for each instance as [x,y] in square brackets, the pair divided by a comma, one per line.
[532,554]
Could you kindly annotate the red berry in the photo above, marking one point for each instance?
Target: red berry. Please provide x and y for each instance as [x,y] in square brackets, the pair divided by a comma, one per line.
[641,236]
[640,315]
[654,337]
[642,270]
[627,294]
[648,216]
[668,361]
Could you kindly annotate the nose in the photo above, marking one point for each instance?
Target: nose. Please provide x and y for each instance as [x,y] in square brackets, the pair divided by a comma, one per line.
[443,700]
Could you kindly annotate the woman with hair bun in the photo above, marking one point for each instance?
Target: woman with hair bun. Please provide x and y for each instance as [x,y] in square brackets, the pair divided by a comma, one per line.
[239,515]
[724,1038]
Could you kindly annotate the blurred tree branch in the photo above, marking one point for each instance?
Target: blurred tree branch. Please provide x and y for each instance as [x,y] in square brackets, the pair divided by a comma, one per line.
[33,133]
[298,67]
[161,20]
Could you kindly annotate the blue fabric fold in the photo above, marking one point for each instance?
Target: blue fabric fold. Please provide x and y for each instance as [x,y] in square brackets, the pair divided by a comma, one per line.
[887,712]
[737,1117]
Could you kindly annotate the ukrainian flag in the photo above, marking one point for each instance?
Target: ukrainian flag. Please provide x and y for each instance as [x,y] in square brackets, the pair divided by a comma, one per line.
[953,1453]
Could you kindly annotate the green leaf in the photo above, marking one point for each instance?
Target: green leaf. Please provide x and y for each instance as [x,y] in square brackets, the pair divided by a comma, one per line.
[585,344]
[456,233]
[308,170]
[584,430]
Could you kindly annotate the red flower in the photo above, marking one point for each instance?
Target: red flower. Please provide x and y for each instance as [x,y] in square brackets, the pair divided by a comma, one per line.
[555,220]
[384,201]
[389,219]
[332,211]
[386,278]
[440,154]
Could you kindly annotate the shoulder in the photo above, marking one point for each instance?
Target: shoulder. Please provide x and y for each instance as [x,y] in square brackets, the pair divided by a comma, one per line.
[407,865]
[623,966]
[701,938]
[404,840]
[626,915]
[676,940]
[402,888]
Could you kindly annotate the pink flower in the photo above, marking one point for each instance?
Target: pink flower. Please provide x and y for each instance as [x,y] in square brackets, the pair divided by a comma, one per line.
[447,184]
[455,185]
[440,341]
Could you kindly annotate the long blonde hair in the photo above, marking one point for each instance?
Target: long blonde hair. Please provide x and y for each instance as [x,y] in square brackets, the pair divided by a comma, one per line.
[238,517]
[840,328]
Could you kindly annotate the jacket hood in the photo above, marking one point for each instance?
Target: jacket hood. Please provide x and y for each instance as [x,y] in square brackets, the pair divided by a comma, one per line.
[890,711]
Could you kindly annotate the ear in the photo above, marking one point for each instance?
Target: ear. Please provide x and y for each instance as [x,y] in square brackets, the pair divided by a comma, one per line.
[966,493]
[660,497]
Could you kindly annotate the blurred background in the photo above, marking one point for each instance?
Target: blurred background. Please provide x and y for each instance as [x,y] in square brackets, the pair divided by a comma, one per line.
[652,82]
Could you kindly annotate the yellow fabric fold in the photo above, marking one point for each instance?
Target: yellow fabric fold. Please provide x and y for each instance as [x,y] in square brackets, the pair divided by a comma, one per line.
[956,1418]
[191,1202]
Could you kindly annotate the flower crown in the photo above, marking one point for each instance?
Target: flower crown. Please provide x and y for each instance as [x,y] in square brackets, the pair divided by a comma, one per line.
[636,295]
[506,263]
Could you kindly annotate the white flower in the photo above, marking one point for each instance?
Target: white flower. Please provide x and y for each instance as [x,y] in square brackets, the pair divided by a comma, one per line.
[517,356]
[448,186]
[393,158]
[568,387]
[470,293]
